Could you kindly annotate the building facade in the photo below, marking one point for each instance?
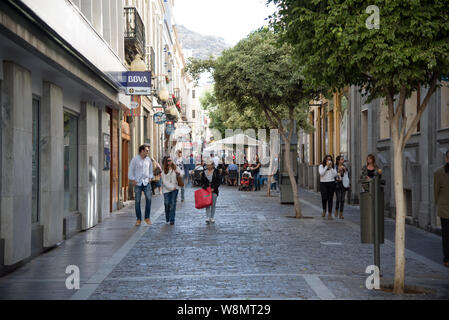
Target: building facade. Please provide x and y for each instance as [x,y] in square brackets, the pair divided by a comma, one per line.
[59,121]
[351,127]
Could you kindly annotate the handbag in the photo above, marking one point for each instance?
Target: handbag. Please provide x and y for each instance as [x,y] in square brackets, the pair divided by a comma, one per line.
[346,181]
[203,198]
[180,180]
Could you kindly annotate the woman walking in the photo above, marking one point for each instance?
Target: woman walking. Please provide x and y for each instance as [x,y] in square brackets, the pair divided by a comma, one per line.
[211,178]
[340,189]
[327,184]
[170,189]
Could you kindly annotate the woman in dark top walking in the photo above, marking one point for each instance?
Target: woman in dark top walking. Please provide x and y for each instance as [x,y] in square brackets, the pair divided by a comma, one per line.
[340,189]
[211,178]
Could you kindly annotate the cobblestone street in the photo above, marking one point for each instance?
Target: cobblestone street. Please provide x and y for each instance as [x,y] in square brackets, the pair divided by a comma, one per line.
[254,251]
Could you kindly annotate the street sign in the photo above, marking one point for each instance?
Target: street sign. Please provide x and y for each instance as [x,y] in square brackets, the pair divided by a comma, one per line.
[138,83]
[159,118]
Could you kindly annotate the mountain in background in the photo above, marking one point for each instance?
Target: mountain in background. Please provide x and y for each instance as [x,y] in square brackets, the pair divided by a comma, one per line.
[202,46]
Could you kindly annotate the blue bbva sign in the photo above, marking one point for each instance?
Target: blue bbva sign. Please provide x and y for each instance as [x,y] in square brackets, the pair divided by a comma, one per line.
[138,83]
[135,83]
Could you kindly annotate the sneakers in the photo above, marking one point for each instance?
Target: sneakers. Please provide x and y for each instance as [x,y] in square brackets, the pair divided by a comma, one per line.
[212,221]
[172,223]
[148,222]
[138,223]
[208,221]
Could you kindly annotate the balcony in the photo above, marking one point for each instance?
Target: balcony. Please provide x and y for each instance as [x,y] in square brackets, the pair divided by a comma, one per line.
[184,112]
[134,35]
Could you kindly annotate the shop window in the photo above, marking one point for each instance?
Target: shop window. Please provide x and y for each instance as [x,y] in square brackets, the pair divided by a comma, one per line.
[70,163]
[445,105]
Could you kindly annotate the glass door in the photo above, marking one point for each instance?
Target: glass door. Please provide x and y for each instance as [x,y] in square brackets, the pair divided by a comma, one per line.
[70,163]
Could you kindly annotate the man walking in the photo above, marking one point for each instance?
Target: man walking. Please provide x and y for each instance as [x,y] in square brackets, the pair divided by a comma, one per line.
[140,173]
[441,190]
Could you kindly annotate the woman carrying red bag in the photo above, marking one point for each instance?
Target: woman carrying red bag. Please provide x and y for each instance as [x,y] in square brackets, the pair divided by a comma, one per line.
[211,178]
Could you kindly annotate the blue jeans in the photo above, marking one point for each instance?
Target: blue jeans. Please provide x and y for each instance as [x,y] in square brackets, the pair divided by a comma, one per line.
[170,205]
[257,181]
[147,191]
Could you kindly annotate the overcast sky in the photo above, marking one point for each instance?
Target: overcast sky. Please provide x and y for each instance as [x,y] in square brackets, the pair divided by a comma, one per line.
[230,19]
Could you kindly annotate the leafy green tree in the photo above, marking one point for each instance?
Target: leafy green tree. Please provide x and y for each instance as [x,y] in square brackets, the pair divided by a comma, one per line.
[258,75]
[338,44]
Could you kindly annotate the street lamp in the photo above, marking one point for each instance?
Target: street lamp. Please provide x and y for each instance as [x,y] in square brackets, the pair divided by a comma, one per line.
[138,64]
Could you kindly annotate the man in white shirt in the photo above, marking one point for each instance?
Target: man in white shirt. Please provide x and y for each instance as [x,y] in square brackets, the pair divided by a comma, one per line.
[180,162]
[215,159]
[140,173]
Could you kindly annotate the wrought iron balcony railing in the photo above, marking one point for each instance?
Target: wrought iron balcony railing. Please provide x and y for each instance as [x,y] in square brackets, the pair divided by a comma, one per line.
[134,34]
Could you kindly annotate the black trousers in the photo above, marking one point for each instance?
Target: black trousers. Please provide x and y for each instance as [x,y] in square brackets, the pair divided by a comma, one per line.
[445,232]
[340,192]
[327,195]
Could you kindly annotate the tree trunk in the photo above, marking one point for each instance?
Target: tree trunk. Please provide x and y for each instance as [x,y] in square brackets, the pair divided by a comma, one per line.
[269,186]
[399,277]
[293,183]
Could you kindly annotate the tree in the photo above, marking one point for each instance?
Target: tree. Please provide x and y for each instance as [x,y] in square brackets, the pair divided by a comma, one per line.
[337,44]
[258,73]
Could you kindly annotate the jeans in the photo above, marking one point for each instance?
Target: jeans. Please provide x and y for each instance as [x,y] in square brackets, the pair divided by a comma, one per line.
[210,212]
[138,192]
[257,180]
[340,192]
[170,205]
[327,195]
[445,234]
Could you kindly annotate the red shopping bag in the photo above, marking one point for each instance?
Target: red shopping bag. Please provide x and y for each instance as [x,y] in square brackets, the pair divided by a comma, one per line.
[203,198]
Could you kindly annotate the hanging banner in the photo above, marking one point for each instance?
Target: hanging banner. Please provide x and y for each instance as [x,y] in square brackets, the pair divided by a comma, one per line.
[170,128]
[136,103]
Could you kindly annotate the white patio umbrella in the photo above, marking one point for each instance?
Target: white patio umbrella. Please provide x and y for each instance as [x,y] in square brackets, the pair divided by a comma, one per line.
[240,139]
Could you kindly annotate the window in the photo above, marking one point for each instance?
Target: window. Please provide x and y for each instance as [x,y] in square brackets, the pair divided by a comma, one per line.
[146,127]
[35,162]
[445,105]
[344,127]
[70,163]
[193,114]
[193,94]
[411,109]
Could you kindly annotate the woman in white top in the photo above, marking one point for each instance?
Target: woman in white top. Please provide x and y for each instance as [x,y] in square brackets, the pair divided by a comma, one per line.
[169,188]
[327,184]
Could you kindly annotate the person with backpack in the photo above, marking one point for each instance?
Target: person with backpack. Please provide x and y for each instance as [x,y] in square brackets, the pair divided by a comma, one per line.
[341,186]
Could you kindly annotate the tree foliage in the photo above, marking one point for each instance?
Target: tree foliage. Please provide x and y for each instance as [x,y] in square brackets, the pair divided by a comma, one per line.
[409,51]
[335,47]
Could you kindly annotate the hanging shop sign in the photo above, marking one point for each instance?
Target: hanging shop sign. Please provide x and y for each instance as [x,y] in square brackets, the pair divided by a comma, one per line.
[138,83]
[159,118]
[170,128]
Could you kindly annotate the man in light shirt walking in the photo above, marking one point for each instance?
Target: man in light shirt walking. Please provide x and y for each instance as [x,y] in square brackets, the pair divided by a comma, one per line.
[140,173]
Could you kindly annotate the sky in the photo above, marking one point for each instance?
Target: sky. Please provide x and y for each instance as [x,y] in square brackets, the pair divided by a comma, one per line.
[232,20]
